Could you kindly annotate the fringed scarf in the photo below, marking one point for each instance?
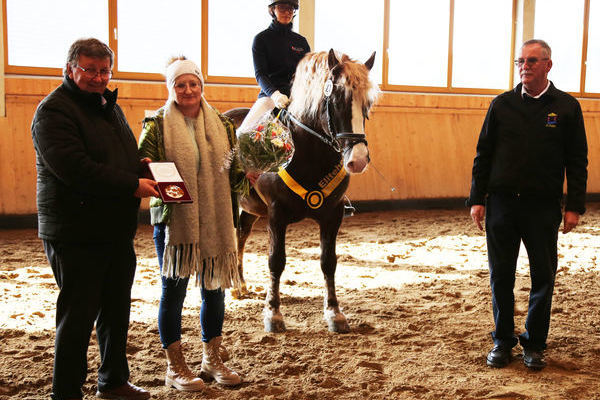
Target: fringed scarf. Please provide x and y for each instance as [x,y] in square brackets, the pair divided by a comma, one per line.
[200,236]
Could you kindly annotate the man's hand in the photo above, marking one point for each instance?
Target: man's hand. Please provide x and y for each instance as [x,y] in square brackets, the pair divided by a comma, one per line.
[145,170]
[477,214]
[146,188]
[571,220]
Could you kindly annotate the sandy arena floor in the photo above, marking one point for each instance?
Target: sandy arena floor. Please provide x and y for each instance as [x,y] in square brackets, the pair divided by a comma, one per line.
[413,284]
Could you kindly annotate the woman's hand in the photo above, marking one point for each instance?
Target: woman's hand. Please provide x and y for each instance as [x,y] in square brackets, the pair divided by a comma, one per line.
[280,99]
[253,176]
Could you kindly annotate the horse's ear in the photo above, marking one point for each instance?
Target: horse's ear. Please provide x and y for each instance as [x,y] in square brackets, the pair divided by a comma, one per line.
[369,63]
[332,59]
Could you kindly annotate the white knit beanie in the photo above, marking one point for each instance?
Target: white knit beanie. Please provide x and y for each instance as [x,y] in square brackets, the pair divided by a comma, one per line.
[181,67]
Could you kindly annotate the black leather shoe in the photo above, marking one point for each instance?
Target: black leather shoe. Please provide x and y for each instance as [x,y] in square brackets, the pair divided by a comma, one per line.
[126,391]
[534,359]
[499,356]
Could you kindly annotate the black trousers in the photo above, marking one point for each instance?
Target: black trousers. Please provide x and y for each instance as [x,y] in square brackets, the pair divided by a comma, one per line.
[511,219]
[95,282]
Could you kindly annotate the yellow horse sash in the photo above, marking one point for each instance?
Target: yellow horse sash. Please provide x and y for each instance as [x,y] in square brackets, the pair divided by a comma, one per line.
[314,199]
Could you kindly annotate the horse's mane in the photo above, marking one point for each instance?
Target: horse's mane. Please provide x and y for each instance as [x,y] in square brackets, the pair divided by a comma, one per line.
[312,73]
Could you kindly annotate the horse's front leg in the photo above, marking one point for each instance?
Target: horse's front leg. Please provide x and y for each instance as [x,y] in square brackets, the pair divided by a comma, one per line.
[336,320]
[273,319]
[247,220]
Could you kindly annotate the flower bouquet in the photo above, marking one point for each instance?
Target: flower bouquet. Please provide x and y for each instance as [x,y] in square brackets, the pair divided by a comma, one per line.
[263,148]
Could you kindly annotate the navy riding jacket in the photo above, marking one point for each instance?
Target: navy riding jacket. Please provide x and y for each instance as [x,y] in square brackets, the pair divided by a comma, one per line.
[276,52]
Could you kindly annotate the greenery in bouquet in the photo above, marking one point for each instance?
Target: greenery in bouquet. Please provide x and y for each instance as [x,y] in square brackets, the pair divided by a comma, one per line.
[265,147]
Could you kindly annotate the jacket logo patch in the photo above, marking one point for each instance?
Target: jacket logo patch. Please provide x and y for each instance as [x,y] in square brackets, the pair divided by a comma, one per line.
[297,49]
[552,120]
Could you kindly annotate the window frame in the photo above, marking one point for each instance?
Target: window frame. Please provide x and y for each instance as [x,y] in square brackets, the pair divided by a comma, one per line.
[584,48]
[448,88]
[307,6]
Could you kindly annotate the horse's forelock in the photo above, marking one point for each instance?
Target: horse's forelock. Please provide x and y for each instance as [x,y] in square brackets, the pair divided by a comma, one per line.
[312,73]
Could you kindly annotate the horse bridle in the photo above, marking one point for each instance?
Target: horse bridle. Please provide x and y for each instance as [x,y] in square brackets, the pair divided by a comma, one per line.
[330,138]
[354,138]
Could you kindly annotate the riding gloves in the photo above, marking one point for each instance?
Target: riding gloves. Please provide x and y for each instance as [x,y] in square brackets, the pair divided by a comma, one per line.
[280,99]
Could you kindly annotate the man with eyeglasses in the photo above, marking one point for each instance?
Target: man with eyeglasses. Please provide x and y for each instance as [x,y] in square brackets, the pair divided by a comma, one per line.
[89,187]
[531,137]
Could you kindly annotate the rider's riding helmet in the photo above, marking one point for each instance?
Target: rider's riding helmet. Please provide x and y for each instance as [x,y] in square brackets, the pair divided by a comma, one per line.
[293,3]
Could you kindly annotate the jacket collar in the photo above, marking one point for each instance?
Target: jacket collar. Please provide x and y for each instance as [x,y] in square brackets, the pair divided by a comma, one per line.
[277,27]
[552,91]
[89,98]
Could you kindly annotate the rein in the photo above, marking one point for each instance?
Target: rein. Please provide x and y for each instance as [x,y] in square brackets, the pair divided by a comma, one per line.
[333,143]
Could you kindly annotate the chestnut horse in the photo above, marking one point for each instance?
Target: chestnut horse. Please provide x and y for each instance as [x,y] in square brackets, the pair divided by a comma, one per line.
[330,99]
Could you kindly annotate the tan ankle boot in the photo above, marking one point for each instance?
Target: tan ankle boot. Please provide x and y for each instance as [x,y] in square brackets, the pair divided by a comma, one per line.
[213,367]
[223,353]
[179,375]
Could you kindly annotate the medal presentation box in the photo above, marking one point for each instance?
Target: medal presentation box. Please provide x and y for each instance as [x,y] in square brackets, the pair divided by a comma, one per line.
[170,184]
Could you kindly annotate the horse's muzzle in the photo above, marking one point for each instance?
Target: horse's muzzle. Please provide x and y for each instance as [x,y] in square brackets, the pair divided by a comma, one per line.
[357,158]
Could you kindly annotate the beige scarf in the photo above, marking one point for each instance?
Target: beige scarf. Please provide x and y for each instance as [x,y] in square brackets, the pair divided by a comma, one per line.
[200,236]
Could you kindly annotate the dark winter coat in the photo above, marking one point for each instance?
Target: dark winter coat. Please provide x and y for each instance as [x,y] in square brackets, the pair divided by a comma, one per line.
[87,167]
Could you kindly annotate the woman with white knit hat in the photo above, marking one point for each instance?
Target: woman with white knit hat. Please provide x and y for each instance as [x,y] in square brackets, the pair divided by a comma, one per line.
[194,239]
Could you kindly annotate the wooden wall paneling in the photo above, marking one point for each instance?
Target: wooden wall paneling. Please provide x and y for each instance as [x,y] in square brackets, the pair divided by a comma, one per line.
[25,154]
[423,144]
[423,153]
[7,170]
[592,127]
[19,195]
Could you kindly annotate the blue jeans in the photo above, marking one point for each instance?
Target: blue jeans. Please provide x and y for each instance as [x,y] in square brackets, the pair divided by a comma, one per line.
[212,310]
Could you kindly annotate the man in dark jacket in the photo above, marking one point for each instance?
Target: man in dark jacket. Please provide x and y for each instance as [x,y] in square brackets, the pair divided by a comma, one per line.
[531,137]
[88,195]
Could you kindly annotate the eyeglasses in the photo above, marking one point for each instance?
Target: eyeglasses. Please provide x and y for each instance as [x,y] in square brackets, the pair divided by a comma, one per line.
[529,60]
[180,87]
[285,8]
[91,72]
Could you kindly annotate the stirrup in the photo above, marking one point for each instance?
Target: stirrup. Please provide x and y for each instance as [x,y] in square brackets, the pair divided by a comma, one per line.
[348,208]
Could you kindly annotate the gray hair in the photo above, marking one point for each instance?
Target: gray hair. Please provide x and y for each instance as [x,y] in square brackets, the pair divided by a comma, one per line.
[89,47]
[542,43]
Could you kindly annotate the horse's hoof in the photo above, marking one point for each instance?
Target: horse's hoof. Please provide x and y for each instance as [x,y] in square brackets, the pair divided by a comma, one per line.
[338,327]
[337,322]
[273,321]
[274,326]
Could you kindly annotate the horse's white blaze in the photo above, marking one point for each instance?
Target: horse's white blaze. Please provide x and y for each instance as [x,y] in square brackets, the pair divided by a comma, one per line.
[358,120]
[358,159]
